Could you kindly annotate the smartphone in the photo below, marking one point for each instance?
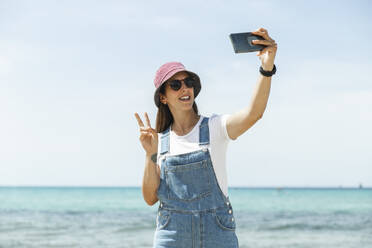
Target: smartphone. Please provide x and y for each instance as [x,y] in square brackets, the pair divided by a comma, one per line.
[242,42]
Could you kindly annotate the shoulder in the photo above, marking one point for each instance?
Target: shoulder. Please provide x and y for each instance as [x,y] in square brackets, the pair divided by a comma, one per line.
[217,119]
[217,125]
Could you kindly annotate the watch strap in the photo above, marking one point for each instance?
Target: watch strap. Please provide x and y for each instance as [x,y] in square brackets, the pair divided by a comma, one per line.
[268,73]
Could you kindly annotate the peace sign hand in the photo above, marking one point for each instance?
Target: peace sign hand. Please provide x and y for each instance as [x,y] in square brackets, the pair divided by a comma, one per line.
[148,135]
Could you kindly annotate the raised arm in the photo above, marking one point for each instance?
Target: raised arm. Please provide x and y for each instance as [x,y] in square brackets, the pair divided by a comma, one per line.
[241,121]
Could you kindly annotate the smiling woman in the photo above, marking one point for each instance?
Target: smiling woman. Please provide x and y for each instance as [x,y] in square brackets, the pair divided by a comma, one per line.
[186,173]
[169,86]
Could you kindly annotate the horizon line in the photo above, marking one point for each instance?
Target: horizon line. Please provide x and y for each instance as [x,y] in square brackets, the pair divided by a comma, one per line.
[230,187]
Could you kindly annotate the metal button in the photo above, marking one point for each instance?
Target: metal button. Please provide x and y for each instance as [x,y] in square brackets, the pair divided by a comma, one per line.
[159,214]
[232,219]
[227,203]
[161,204]
[230,211]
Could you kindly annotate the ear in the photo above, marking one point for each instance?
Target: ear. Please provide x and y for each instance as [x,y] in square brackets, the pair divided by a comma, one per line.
[163,99]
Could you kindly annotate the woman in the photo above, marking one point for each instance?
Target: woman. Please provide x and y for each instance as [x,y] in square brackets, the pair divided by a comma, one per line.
[186,172]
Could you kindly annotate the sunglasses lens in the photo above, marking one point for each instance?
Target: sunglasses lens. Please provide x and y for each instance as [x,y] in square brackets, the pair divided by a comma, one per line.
[189,82]
[175,84]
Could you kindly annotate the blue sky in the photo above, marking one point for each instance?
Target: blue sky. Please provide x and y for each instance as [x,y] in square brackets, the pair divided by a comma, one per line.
[72,74]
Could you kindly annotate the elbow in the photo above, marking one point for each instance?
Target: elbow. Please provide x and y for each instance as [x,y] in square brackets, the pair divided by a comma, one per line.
[151,202]
[149,193]
[150,197]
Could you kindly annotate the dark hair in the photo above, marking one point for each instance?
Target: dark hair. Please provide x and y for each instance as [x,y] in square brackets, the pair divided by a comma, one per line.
[164,117]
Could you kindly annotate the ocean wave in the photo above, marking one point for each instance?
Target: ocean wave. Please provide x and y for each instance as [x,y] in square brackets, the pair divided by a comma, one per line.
[312,227]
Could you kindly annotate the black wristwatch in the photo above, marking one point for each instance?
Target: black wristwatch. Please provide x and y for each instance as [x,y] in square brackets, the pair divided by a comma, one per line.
[268,73]
[154,157]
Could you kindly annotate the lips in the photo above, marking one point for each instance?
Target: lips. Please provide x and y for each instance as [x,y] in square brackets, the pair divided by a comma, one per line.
[185,98]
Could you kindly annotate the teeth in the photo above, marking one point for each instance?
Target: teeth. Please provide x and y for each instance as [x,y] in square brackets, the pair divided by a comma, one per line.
[185,98]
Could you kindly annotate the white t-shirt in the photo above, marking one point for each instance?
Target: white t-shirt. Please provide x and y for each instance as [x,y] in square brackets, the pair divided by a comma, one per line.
[218,140]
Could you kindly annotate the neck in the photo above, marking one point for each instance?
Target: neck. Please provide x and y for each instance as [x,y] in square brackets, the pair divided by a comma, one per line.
[184,122]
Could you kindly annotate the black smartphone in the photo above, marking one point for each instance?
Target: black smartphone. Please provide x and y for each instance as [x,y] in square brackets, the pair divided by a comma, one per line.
[242,42]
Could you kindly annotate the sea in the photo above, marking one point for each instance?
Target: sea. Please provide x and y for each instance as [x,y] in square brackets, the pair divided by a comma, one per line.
[119,217]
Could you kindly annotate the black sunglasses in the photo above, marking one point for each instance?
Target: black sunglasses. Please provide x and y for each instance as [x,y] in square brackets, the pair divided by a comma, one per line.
[176,84]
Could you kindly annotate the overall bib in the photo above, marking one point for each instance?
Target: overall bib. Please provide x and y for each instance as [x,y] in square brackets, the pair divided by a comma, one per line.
[193,211]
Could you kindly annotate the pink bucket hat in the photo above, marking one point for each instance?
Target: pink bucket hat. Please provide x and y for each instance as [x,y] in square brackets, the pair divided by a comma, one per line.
[166,71]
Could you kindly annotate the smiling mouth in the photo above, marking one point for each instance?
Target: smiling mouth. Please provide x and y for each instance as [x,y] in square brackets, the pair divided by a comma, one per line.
[185,99]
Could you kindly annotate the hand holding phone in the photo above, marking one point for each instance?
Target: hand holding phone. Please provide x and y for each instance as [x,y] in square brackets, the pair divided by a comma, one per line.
[242,42]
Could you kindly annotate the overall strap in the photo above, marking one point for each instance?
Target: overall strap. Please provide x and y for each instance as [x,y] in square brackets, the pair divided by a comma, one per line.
[204,132]
[165,141]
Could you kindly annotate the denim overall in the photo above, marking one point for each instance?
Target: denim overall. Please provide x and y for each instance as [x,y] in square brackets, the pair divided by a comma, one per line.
[193,211]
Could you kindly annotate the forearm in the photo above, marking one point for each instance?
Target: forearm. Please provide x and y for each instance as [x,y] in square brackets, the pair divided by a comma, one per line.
[241,121]
[151,181]
[260,96]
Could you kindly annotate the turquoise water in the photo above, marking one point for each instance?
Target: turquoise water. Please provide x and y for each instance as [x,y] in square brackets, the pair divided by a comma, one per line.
[119,217]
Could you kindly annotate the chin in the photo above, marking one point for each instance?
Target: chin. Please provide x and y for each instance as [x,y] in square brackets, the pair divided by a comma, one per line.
[187,107]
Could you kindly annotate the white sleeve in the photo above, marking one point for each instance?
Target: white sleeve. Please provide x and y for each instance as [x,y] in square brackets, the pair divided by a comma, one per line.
[217,125]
